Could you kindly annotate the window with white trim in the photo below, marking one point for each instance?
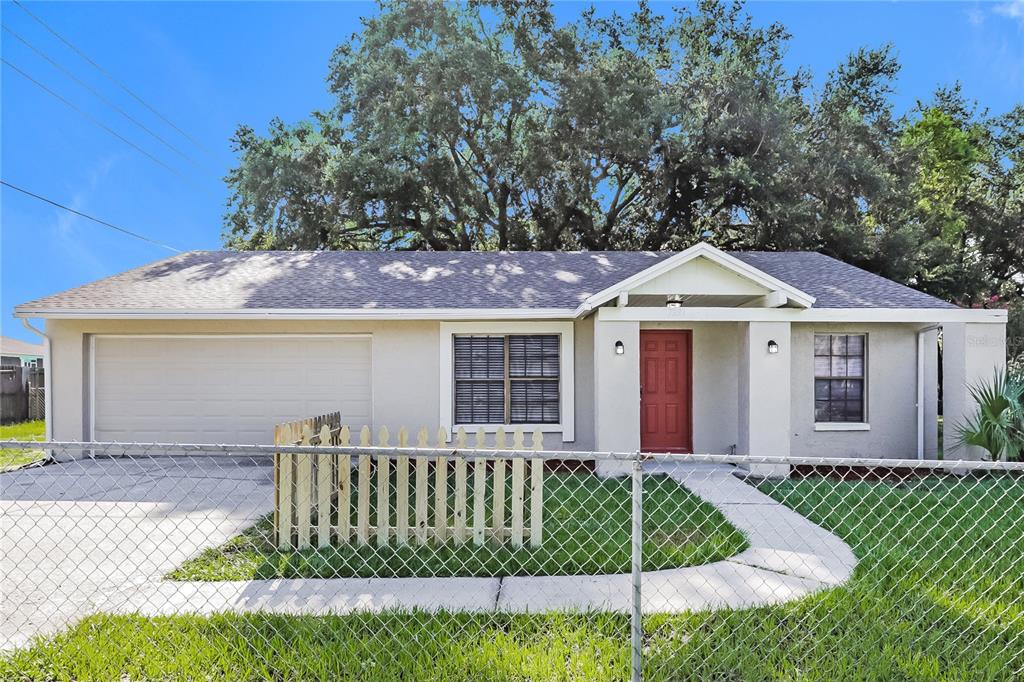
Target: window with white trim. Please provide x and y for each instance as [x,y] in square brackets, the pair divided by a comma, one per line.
[506,379]
[839,377]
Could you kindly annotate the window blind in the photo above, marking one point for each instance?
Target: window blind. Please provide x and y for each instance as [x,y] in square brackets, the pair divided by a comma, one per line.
[509,379]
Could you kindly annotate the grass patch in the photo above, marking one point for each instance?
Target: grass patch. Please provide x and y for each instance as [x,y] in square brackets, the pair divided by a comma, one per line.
[938,595]
[586,531]
[11,458]
[390,646]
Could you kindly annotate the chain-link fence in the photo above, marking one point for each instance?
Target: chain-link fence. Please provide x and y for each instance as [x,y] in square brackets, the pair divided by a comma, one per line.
[195,562]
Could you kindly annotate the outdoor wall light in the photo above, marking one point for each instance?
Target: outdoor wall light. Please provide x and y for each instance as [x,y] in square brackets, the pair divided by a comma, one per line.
[674,302]
[773,347]
[619,348]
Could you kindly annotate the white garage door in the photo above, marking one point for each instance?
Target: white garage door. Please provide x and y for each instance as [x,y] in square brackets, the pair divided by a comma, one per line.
[209,389]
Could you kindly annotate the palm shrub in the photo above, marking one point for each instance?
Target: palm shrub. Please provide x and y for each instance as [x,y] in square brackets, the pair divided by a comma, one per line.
[998,424]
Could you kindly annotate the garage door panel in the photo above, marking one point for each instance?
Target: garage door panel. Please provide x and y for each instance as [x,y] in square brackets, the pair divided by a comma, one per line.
[225,389]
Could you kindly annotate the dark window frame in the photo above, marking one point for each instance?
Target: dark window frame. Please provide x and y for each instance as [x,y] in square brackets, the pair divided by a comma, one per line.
[840,382]
[510,379]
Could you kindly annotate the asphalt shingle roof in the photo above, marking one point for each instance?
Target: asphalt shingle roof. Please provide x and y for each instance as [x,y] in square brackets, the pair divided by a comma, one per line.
[9,346]
[228,280]
[835,284]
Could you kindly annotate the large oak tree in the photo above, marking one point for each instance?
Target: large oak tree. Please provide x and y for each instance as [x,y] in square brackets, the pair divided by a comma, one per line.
[489,125]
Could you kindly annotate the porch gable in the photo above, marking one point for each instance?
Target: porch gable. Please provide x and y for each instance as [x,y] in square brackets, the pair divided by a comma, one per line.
[702,275]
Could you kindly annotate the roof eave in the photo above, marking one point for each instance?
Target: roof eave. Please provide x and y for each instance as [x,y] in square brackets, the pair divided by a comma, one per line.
[296,313]
[928,316]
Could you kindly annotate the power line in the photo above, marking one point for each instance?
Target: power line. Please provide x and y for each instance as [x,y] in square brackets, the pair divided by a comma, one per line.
[94,120]
[98,95]
[110,76]
[89,217]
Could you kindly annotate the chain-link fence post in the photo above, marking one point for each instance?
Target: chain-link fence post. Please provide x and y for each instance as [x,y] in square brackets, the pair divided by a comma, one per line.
[636,558]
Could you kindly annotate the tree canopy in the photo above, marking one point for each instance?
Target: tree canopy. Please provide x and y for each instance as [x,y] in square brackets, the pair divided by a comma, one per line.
[490,125]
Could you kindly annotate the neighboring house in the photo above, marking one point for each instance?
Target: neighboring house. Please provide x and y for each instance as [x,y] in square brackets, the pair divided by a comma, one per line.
[698,351]
[21,380]
[15,353]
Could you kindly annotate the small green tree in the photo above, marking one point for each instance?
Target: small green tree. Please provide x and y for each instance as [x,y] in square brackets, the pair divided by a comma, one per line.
[998,424]
[968,206]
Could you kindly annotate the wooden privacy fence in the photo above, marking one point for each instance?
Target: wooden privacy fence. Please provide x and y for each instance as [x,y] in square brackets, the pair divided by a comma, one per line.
[22,395]
[13,396]
[316,494]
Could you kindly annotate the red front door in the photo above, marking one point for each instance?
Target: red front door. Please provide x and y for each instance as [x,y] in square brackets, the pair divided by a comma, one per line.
[666,391]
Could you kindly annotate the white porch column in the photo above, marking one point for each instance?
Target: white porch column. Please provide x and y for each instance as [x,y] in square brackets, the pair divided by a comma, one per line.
[971,352]
[764,394]
[616,392]
[931,394]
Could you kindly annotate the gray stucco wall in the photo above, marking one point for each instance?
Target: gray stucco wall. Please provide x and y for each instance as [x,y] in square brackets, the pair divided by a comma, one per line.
[617,389]
[406,380]
[764,394]
[405,367]
[971,354]
[583,335]
[404,358]
[891,394]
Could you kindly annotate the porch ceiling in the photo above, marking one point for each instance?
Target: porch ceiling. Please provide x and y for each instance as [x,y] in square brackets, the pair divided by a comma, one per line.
[693,300]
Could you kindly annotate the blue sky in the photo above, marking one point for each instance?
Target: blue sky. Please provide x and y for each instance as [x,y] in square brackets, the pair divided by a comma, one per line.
[208,67]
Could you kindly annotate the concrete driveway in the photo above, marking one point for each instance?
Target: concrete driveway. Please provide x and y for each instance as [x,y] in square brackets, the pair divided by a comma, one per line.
[74,535]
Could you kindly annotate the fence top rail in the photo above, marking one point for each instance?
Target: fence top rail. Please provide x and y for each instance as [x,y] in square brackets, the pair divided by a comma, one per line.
[491,453]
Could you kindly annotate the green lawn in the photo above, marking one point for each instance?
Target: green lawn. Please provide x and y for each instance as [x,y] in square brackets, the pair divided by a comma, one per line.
[938,595]
[11,458]
[586,531]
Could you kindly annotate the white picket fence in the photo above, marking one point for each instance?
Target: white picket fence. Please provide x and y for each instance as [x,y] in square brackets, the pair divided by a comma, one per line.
[314,492]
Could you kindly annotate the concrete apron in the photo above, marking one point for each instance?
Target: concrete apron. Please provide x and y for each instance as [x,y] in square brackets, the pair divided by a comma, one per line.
[788,558]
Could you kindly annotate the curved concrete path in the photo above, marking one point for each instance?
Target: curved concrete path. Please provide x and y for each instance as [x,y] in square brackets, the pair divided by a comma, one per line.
[788,558]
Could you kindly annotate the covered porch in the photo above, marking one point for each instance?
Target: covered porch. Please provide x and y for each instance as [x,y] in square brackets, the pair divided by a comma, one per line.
[709,357]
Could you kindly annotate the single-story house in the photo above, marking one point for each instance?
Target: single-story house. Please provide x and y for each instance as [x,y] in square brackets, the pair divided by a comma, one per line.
[18,353]
[789,353]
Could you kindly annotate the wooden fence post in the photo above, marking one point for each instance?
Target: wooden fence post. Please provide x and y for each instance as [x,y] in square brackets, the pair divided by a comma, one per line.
[363,494]
[344,487]
[441,489]
[383,488]
[422,464]
[518,476]
[537,491]
[498,514]
[479,490]
[460,487]
[283,489]
[324,482]
[304,490]
[402,490]
[499,500]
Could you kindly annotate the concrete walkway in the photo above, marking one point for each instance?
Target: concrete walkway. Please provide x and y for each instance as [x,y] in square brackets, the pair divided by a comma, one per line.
[91,536]
[789,558]
[75,535]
